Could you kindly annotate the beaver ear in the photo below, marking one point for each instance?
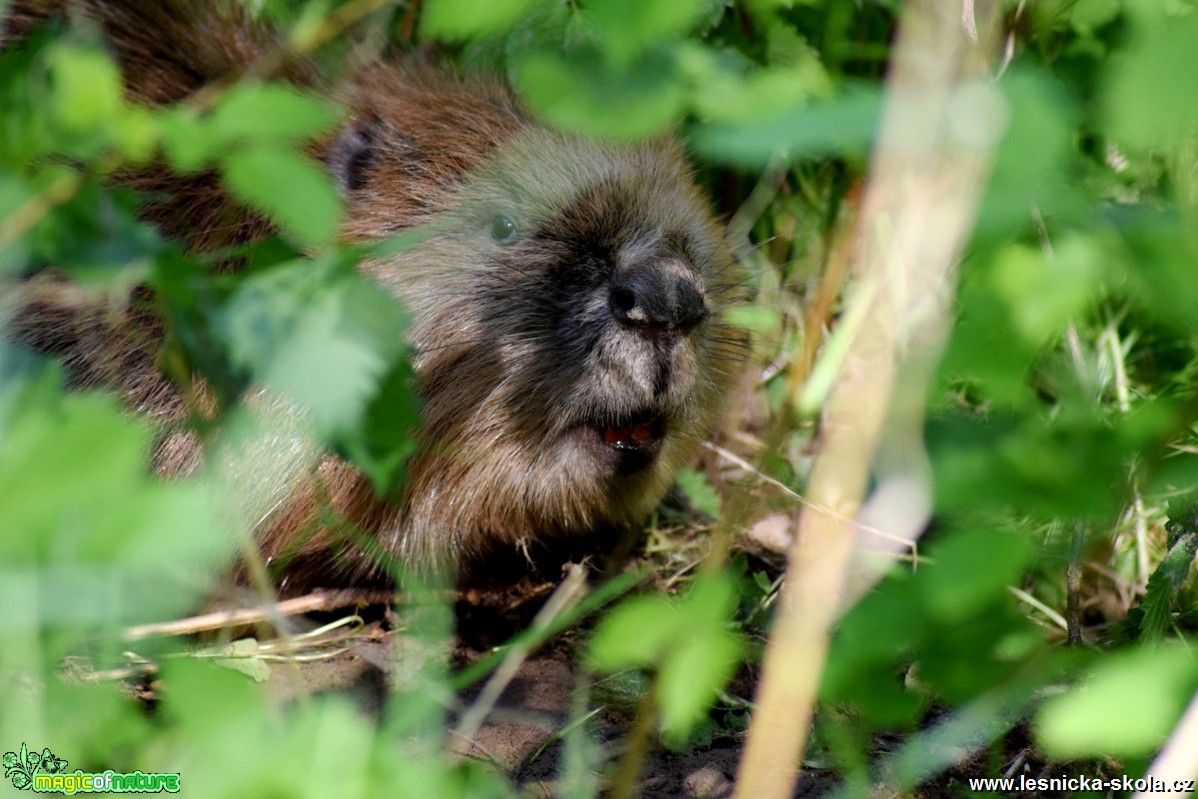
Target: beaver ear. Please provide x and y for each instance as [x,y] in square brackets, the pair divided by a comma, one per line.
[350,154]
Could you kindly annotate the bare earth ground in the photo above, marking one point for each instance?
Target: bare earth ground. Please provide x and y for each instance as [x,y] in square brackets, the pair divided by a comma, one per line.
[521,735]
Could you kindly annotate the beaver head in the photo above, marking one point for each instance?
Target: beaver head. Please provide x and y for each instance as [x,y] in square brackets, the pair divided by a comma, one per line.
[567,305]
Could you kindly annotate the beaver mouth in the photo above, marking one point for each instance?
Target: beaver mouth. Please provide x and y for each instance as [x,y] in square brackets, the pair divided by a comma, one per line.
[634,434]
[628,443]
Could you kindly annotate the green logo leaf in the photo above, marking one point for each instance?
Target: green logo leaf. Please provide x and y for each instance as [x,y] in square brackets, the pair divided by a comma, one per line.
[23,766]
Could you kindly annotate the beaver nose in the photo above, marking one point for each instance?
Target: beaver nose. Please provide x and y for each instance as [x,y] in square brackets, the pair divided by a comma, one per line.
[663,298]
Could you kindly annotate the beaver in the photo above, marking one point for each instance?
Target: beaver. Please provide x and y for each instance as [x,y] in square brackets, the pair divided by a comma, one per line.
[566,305]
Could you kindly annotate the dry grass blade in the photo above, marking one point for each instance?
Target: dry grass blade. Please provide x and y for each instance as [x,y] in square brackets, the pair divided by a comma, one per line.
[566,596]
[933,154]
[310,603]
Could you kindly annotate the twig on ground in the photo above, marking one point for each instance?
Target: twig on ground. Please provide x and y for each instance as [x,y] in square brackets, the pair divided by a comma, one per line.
[310,603]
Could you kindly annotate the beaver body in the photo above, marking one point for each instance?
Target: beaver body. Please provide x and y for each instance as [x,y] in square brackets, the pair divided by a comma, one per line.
[566,307]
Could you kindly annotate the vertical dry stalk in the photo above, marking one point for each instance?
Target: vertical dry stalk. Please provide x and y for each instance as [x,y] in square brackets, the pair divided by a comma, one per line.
[941,124]
[1178,761]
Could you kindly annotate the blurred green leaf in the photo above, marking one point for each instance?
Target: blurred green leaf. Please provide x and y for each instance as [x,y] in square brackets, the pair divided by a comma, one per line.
[759,319]
[463,19]
[628,29]
[970,571]
[1089,15]
[381,443]
[1124,707]
[96,234]
[87,88]
[290,188]
[842,125]
[332,341]
[578,93]
[688,639]
[635,633]
[1046,292]
[270,112]
[1070,466]
[81,514]
[1032,166]
[691,678]
[726,89]
[1145,102]
[1161,264]
[15,192]
[187,141]
[699,492]
[870,648]
[137,133]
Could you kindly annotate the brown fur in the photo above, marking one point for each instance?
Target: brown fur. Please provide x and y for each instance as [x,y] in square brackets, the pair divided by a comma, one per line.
[600,315]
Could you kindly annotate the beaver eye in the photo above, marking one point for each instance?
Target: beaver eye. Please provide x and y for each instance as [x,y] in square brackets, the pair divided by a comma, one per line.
[503,229]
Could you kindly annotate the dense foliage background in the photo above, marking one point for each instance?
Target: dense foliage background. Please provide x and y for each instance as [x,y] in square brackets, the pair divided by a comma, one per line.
[1047,618]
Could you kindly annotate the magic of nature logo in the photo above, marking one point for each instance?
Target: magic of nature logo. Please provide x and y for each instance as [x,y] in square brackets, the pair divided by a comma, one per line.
[47,773]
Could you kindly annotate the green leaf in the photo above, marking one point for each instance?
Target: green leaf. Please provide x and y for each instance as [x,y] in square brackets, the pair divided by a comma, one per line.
[1165,582]
[466,19]
[87,88]
[703,656]
[1161,264]
[83,515]
[188,142]
[96,235]
[633,634]
[1028,464]
[288,187]
[755,318]
[381,443]
[984,349]
[333,341]
[1146,101]
[137,132]
[732,95]
[688,639]
[14,193]
[699,492]
[244,656]
[970,571]
[1090,15]
[885,624]
[1123,708]
[629,28]
[841,125]
[1033,164]
[252,113]
[1046,293]
[695,670]
[711,600]
[547,28]
[579,92]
